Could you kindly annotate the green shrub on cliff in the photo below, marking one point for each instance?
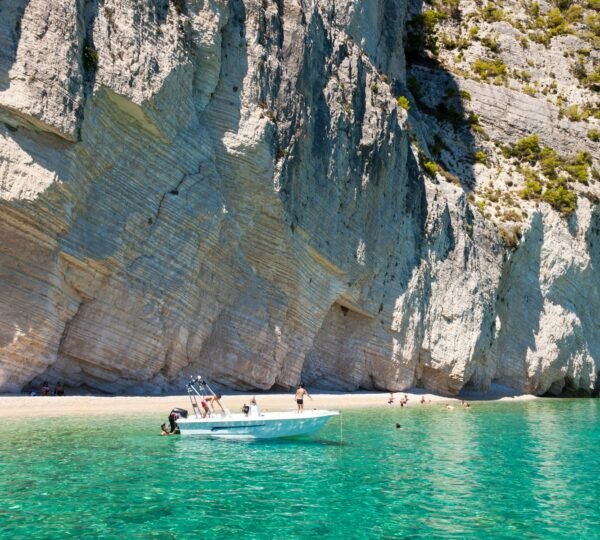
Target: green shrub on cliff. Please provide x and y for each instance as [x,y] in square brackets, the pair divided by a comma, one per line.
[430,167]
[421,32]
[403,102]
[525,149]
[90,57]
[491,13]
[486,69]
[179,6]
[549,162]
[450,8]
[533,184]
[577,166]
[561,198]
[480,156]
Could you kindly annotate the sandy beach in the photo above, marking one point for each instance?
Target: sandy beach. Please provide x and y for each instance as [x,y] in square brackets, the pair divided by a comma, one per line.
[27,406]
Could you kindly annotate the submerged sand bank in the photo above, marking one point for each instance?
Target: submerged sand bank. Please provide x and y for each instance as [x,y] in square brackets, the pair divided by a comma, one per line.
[25,406]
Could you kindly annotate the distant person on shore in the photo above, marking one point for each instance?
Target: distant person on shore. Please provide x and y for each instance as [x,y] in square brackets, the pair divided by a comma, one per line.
[215,399]
[422,400]
[300,393]
[391,398]
[59,389]
[45,390]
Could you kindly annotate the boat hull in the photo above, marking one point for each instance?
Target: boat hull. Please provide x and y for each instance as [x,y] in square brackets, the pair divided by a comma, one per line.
[264,426]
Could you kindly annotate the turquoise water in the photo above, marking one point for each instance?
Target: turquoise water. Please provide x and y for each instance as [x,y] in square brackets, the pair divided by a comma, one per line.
[516,470]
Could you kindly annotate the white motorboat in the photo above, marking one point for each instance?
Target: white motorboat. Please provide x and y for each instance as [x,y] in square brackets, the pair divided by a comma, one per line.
[266,425]
[252,424]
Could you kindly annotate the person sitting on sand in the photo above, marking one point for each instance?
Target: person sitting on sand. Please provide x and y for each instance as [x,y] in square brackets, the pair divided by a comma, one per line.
[300,393]
[59,389]
[45,390]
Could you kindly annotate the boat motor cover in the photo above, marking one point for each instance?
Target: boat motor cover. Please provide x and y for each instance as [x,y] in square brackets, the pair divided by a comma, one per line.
[179,413]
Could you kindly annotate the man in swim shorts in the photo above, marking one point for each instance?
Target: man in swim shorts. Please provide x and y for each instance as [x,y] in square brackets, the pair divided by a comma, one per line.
[300,393]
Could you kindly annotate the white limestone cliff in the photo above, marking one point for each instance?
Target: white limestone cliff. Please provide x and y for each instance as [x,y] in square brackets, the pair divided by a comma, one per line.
[230,187]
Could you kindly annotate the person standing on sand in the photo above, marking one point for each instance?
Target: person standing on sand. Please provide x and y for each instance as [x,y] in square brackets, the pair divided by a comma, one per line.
[300,393]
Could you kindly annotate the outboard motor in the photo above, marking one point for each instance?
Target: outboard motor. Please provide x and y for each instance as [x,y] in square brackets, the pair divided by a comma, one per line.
[175,414]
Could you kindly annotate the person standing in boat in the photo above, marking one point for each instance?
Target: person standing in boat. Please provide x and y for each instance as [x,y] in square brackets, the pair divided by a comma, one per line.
[300,393]
[205,407]
[215,399]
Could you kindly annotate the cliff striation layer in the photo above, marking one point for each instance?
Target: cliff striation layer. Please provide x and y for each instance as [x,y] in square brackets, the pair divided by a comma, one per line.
[273,191]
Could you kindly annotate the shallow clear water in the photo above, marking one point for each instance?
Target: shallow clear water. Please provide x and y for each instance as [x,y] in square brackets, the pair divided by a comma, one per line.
[515,470]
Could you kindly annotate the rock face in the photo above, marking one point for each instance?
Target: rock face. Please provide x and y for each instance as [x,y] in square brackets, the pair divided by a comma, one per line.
[230,187]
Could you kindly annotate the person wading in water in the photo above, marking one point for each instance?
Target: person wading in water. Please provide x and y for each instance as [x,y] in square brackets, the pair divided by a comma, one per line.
[300,393]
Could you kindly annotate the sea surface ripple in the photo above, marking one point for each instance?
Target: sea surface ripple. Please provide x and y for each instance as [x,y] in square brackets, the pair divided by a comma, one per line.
[497,470]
